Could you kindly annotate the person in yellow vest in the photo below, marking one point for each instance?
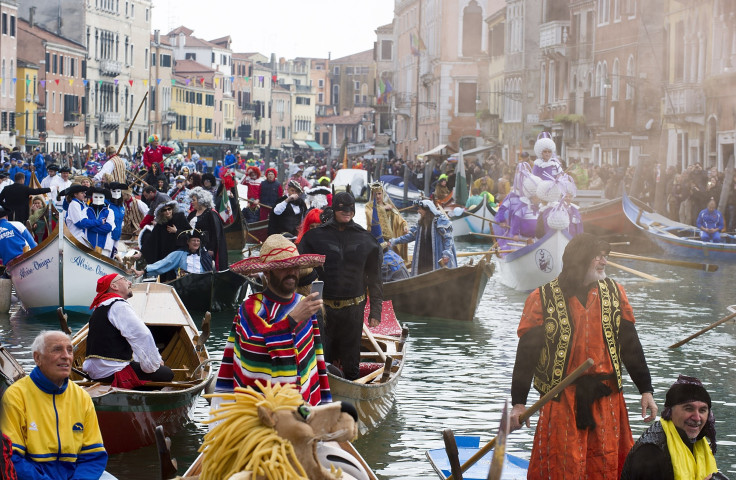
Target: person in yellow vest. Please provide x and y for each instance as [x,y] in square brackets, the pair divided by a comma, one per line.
[682,443]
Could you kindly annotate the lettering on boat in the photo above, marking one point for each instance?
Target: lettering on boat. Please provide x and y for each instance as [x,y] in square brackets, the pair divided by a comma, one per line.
[80,261]
[43,264]
[544,260]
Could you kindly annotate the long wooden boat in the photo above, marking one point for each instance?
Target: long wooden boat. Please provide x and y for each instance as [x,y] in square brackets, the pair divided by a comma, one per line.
[10,370]
[476,220]
[128,418]
[373,393]
[59,272]
[608,218]
[426,295]
[675,238]
[394,187]
[536,264]
[514,468]
[356,179]
[256,231]
[210,291]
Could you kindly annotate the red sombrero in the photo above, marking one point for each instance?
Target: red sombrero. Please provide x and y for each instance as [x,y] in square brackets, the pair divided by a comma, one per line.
[277,253]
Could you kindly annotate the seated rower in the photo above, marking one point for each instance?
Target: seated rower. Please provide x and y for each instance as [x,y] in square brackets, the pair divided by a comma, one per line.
[15,239]
[120,347]
[710,222]
[191,258]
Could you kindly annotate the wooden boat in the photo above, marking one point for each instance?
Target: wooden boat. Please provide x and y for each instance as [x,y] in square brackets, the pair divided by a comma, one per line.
[394,187]
[677,239]
[536,264]
[476,220]
[372,393]
[608,218]
[256,231]
[426,295]
[59,272]
[514,468]
[10,370]
[210,291]
[128,418]
[356,179]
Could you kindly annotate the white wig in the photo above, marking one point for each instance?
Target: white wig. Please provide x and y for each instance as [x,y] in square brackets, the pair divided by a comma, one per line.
[544,144]
[203,197]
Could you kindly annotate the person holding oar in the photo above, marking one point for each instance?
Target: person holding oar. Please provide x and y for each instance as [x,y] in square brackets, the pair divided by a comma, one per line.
[581,314]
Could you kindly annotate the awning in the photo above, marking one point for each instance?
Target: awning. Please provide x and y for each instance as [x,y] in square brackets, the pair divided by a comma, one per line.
[300,143]
[472,151]
[435,151]
[315,146]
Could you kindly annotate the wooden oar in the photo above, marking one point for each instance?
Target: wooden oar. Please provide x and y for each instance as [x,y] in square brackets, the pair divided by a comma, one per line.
[677,263]
[497,237]
[700,332]
[127,132]
[530,411]
[487,252]
[643,275]
[376,347]
[407,208]
[499,453]
[254,238]
[484,218]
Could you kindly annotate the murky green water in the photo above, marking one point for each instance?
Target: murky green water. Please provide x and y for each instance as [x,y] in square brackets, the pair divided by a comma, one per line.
[459,374]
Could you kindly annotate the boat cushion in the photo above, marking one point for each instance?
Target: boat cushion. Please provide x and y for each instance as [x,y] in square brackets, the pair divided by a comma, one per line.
[368,367]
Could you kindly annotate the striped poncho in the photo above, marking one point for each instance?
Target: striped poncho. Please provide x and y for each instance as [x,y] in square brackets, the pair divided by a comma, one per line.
[264,344]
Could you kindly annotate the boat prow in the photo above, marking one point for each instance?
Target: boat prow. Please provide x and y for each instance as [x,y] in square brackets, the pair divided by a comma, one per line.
[536,264]
[514,468]
[476,220]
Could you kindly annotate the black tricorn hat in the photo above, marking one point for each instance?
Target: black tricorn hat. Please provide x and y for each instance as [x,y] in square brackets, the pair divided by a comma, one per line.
[74,188]
[116,186]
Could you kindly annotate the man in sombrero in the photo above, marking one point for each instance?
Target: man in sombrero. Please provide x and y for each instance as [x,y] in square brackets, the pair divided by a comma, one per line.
[275,334]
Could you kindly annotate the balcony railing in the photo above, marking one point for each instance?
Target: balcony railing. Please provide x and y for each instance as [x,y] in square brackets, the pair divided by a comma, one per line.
[684,99]
[553,36]
[110,68]
[109,120]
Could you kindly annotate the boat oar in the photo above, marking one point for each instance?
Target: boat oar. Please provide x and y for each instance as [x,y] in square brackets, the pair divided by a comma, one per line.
[127,132]
[254,238]
[407,208]
[530,411]
[643,275]
[63,321]
[487,252]
[700,332]
[497,237]
[499,453]
[677,263]
[202,338]
[482,218]
[375,345]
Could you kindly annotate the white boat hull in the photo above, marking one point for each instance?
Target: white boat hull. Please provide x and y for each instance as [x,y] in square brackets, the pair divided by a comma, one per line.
[466,224]
[43,282]
[534,265]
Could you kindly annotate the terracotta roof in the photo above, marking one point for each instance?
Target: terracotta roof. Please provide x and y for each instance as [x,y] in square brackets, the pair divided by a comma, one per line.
[226,40]
[181,29]
[361,58]
[43,34]
[190,66]
[352,119]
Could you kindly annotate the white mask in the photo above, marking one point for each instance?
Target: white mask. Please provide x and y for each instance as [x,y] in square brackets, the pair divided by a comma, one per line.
[115,194]
[98,199]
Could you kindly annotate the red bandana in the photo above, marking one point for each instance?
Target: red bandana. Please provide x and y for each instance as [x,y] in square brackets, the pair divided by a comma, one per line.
[103,284]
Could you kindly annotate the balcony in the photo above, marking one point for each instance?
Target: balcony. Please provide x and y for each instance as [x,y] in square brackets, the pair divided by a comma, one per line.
[553,37]
[248,107]
[109,120]
[169,116]
[684,99]
[110,68]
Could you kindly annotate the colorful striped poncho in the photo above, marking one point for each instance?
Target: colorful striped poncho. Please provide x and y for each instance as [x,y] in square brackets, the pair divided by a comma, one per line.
[264,344]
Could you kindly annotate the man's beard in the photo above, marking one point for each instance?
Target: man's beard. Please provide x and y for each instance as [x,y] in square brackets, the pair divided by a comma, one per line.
[594,275]
[278,285]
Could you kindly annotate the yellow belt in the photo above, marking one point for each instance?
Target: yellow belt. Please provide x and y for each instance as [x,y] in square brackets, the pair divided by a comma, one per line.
[344,303]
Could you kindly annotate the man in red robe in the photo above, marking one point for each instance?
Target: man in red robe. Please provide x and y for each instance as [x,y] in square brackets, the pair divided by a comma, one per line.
[154,153]
[584,432]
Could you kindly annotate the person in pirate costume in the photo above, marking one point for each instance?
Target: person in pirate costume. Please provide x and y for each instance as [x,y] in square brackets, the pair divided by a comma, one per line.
[584,432]
[275,335]
[117,205]
[289,213]
[99,234]
[191,257]
[682,443]
[114,169]
[393,225]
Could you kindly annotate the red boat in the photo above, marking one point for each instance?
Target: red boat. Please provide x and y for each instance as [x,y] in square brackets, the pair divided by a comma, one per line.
[128,418]
[608,218]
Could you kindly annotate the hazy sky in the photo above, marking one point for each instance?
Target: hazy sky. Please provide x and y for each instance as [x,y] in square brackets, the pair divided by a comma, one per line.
[288,28]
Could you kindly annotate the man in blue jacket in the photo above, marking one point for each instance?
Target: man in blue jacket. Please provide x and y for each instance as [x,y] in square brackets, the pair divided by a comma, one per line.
[14,238]
[51,421]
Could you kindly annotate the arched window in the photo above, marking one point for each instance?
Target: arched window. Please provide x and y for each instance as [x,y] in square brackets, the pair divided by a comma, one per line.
[615,84]
[472,29]
[597,81]
[629,78]
[335,94]
[603,79]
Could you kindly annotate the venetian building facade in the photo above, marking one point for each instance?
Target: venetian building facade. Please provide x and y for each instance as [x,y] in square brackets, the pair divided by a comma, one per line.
[8,65]
[162,116]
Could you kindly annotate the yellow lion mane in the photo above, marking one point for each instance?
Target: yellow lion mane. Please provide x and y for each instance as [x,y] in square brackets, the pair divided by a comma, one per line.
[240,442]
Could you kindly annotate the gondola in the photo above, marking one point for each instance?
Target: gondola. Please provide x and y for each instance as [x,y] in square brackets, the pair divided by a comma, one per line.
[128,418]
[608,218]
[372,393]
[10,370]
[536,264]
[678,239]
[394,187]
[513,468]
[426,295]
[475,220]
[256,232]
[210,291]
[59,272]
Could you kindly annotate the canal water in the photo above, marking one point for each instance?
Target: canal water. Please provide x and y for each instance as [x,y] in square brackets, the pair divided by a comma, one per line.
[458,374]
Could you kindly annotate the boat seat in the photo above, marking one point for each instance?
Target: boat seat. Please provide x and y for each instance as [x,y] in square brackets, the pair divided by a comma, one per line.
[368,367]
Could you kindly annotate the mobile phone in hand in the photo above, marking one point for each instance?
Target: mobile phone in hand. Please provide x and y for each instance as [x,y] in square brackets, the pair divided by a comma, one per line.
[318,286]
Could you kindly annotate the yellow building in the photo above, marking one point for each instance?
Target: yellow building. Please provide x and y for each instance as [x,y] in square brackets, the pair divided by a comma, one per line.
[194,105]
[26,96]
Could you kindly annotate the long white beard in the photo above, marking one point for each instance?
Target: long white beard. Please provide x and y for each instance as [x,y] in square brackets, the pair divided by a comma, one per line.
[594,275]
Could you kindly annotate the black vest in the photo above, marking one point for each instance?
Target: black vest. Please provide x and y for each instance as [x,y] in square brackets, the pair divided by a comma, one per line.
[104,340]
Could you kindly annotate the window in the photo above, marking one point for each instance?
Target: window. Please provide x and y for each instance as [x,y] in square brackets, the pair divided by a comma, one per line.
[552,82]
[466,97]
[146,59]
[165,60]
[5,23]
[357,98]
[181,122]
[53,102]
[48,62]
[208,125]
[146,14]
[190,56]
[357,85]
[604,12]
[321,83]
[335,94]
[303,100]
[12,25]
[320,97]
[209,100]
[496,40]
[55,68]
[336,71]
[629,78]
[387,47]
[61,64]
[616,10]
[472,29]
[153,59]
[132,10]
[615,83]
[72,67]
[199,99]
[348,70]
[71,107]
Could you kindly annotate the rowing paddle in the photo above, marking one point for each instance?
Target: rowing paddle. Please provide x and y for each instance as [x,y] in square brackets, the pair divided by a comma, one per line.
[643,275]
[481,217]
[488,235]
[372,339]
[676,263]
[700,332]
[499,453]
[530,411]
[487,252]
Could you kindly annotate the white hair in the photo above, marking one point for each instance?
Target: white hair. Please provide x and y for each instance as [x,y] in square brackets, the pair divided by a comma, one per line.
[39,343]
[544,144]
[203,197]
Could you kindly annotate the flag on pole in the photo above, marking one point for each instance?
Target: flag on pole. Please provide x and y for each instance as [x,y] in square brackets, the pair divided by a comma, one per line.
[461,184]
[416,44]
[226,213]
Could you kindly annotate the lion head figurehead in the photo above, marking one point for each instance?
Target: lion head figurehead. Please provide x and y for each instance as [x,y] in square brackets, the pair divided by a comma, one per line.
[273,435]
